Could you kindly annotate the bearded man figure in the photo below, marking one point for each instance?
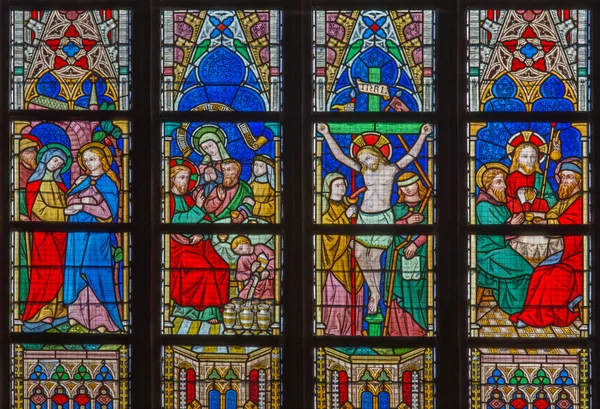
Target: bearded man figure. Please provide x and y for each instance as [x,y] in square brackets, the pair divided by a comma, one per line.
[379,175]
[525,179]
[232,198]
[499,267]
[556,286]
[199,276]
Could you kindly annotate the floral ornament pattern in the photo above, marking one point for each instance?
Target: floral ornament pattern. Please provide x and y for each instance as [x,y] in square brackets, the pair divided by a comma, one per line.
[71,49]
[374,27]
[529,50]
[221,27]
[496,378]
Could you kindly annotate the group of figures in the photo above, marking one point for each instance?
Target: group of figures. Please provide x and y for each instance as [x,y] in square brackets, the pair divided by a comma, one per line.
[208,185]
[537,280]
[69,280]
[375,284]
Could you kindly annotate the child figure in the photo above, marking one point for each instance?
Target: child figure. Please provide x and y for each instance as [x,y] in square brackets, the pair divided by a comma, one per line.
[255,268]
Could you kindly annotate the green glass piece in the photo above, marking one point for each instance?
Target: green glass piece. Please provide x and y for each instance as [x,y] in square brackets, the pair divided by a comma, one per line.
[367,376]
[200,50]
[242,49]
[374,321]
[214,374]
[394,50]
[230,375]
[353,50]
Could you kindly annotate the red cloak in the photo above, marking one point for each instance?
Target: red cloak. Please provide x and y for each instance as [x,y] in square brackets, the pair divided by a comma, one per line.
[47,260]
[199,276]
[553,287]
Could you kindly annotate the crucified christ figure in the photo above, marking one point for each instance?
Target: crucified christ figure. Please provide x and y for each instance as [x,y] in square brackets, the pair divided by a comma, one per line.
[379,175]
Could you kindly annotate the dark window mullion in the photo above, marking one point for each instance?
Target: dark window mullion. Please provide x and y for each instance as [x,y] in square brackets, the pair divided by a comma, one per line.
[451,354]
[5,186]
[143,350]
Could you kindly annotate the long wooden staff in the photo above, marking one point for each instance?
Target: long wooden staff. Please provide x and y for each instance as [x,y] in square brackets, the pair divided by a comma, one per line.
[547,154]
[390,293]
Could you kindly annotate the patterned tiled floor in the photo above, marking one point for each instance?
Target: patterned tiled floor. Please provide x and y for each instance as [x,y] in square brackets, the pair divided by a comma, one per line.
[495,323]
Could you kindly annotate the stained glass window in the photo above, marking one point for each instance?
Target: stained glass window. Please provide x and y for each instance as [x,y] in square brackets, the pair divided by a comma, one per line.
[221,377]
[221,60]
[71,171]
[528,180]
[362,377]
[70,59]
[528,60]
[222,172]
[221,284]
[70,282]
[403,284]
[532,378]
[410,247]
[222,178]
[66,376]
[68,232]
[373,60]
[527,172]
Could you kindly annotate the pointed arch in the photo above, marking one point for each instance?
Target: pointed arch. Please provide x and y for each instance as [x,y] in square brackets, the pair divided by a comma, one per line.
[228,57]
[68,52]
[374,62]
[534,54]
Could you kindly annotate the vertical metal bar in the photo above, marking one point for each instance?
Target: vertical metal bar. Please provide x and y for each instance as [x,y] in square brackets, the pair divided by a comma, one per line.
[5,150]
[145,368]
[594,197]
[295,350]
[451,261]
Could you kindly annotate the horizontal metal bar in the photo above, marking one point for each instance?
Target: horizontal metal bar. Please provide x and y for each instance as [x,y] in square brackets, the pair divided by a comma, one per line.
[222,4]
[375,117]
[216,228]
[531,343]
[221,340]
[374,342]
[67,227]
[378,4]
[213,116]
[529,4]
[71,4]
[352,229]
[531,230]
[63,339]
[67,116]
[528,116]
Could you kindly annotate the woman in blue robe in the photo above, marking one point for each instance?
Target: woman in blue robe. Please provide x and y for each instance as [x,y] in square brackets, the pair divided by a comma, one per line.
[89,286]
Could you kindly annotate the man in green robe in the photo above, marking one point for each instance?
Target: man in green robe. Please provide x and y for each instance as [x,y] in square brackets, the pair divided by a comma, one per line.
[199,277]
[233,198]
[499,267]
[408,310]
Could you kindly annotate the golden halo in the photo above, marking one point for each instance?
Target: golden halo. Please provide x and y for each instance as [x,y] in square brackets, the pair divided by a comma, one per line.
[484,168]
[97,145]
[530,137]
